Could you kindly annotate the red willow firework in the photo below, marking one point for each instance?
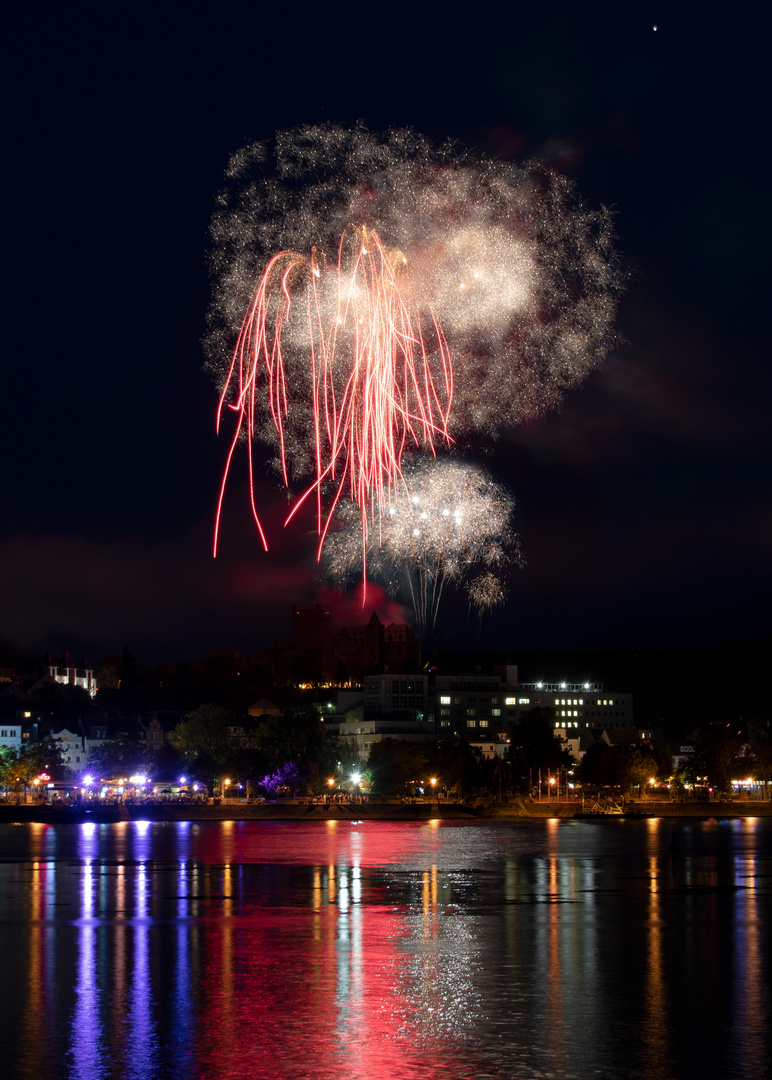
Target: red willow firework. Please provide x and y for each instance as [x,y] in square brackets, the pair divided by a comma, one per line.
[357,322]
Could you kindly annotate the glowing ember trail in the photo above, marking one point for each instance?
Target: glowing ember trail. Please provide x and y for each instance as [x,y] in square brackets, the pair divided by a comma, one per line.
[373,391]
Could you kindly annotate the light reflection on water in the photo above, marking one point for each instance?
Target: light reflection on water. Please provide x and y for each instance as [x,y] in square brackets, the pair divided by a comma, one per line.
[351,950]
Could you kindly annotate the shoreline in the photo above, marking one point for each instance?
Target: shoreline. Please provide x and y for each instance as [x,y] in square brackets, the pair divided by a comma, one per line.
[426,811]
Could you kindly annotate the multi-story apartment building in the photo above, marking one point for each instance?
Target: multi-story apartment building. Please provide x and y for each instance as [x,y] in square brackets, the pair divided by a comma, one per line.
[392,707]
[484,708]
[478,703]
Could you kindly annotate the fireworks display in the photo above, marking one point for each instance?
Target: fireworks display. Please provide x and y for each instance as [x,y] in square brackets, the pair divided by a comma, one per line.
[377,299]
[449,523]
[372,389]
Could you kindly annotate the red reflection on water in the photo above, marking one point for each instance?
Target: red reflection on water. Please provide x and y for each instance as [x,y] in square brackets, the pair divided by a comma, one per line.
[389,844]
[317,991]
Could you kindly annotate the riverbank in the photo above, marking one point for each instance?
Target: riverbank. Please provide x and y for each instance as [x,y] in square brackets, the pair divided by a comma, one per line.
[368,811]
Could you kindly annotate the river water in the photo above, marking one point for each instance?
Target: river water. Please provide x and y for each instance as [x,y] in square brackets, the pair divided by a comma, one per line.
[587,949]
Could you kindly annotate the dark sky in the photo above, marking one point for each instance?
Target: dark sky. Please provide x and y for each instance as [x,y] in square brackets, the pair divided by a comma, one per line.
[643,504]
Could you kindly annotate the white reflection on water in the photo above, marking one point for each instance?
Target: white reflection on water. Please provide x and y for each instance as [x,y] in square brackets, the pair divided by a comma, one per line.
[141,1042]
[87,1038]
[751,982]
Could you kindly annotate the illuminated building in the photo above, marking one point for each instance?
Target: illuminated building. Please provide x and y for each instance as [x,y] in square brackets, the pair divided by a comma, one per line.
[68,673]
[478,703]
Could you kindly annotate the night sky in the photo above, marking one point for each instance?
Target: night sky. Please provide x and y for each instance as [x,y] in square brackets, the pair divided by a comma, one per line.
[643,505]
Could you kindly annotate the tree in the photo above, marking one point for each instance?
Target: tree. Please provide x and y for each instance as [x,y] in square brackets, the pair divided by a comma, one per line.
[286,778]
[41,757]
[202,739]
[535,747]
[624,767]
[120,757]
[394,763]
[716,756]
[459,767]
[297,737]
[761,753]
[7,758]
[203,733]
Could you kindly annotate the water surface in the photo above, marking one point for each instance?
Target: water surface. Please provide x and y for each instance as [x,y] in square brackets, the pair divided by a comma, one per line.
[562,949]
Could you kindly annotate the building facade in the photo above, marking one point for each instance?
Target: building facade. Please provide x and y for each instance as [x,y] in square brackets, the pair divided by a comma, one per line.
[68,673]
[476,704]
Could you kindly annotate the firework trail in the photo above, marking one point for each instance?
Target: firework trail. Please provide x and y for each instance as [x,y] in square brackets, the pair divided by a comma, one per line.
[387,296]
[353,320]
[449,523]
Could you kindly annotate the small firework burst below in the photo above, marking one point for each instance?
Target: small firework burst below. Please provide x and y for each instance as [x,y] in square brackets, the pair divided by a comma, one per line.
[448,522]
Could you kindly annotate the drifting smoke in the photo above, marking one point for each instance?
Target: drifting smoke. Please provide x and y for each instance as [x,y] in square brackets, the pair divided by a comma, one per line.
[449,523]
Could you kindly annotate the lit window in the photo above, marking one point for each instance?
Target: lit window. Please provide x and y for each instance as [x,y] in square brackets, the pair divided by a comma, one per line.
[482,723]
[525,701]
[444,701]
[470,712]
[471,723]
[510,701]
[495,712]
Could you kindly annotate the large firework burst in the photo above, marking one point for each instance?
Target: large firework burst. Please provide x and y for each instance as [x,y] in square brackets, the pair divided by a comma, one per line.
[386,296]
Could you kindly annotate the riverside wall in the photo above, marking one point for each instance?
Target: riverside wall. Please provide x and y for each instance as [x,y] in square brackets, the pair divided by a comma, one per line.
[372,811]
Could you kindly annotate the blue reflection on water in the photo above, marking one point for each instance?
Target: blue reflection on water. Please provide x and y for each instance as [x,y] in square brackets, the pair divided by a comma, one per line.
[87,1040]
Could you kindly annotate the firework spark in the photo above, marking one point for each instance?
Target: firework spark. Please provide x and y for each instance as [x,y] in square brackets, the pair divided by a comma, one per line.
[372,389]
[387,298]
[449,523]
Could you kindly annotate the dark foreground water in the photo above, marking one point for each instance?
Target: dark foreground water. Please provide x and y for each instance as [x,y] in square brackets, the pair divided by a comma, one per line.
[373,950]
